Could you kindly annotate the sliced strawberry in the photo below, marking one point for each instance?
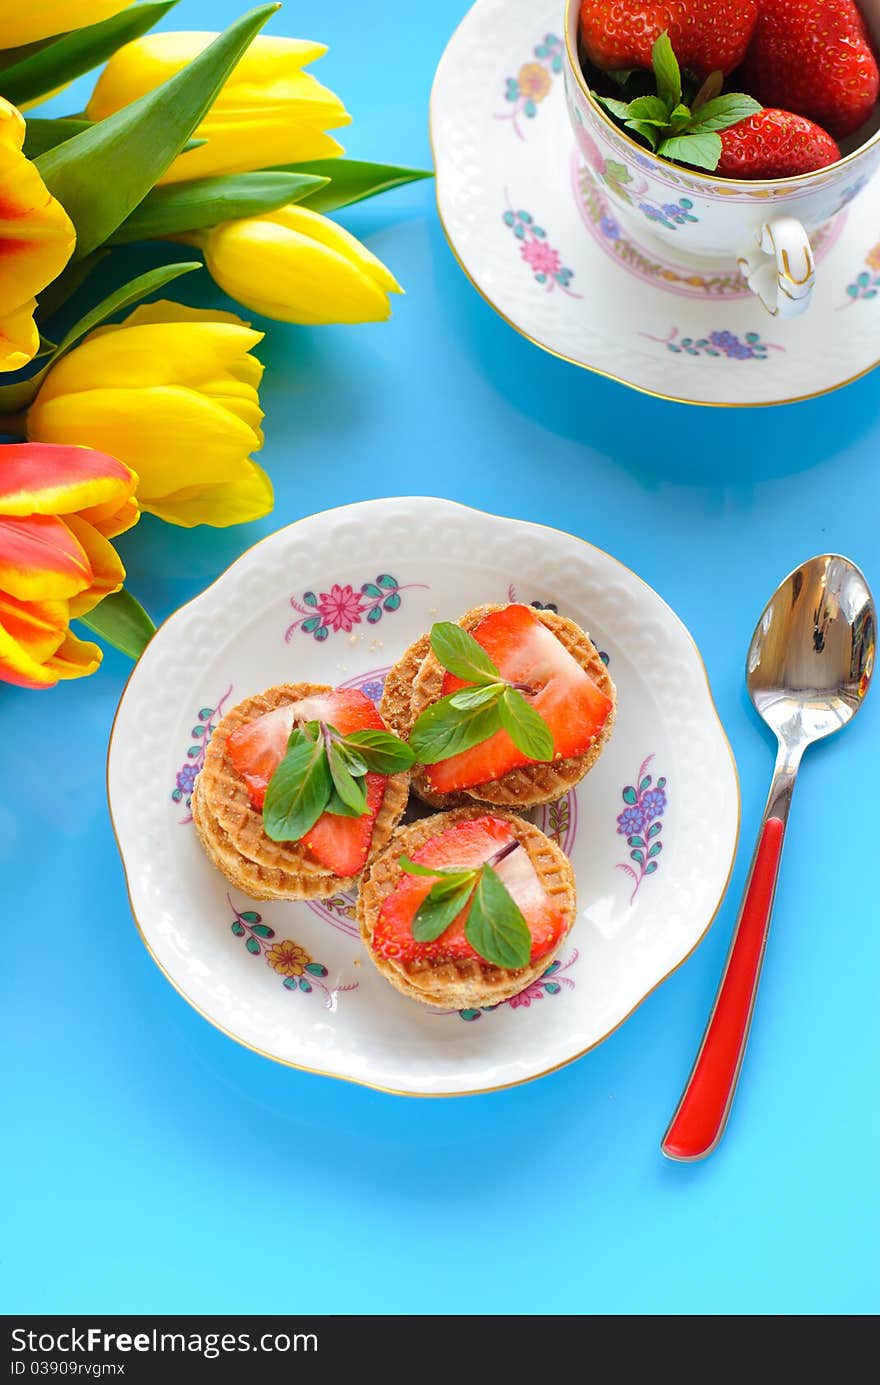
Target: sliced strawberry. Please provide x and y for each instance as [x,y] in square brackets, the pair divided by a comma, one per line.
[464,846]
[526,651]
[257,749]
[343,844]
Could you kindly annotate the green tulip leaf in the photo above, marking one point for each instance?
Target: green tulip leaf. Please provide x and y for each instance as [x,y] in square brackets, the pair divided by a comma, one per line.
[56,294]
[168,211]
[41,135]
[70,55]
[101,175]
[121,620]
[351,180]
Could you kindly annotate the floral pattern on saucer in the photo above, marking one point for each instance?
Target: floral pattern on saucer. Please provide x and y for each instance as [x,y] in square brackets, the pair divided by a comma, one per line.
[866,284]
[544,262]
[195,756]
[343,607]
[532,83]
[287,958]
[749,347]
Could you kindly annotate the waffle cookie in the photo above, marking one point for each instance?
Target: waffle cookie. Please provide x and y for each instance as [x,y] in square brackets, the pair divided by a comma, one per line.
[230,825]
[448,974]
[418,679]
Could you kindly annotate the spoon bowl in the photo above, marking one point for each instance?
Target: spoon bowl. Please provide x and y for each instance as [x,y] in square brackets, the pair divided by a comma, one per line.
[811,657]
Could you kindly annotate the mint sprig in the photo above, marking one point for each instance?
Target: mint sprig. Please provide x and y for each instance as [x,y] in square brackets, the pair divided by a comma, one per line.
[470,716]
[685,133]
[494,927]
[322,772]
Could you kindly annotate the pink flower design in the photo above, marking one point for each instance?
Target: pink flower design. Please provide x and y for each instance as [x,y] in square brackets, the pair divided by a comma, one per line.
[341,607]
[525,998]
[541,257]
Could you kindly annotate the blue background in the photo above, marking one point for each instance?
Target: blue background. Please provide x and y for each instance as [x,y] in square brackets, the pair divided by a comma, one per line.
[159,1167]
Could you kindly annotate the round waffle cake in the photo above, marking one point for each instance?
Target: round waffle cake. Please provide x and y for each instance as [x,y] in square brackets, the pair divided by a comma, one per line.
[230,828]
[455,983]
[416,681]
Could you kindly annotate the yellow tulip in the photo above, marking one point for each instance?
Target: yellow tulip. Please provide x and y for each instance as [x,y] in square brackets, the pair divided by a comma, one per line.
[36,241]
[171,392]
[30,20]
[268,111]
[298,266]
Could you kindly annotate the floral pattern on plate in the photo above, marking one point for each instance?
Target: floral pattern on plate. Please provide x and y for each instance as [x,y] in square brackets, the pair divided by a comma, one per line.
[201,734]
[551,983]
[866,284]
[645,803]
[342,607]
[287,958]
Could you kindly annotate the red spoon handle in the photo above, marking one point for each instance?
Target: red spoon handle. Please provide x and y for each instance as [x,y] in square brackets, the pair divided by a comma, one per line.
[702,1112]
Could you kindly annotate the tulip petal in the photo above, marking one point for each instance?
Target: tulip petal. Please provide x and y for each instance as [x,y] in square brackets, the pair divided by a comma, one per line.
[144,354]
[37,626]
[111,521]
[19,338]
[40,558]
[165,434]
[236,502]
[298,266]
[36,234]
[268,111]
[17,666]
[45,479]
[107,570]
[39,19]
[75,658]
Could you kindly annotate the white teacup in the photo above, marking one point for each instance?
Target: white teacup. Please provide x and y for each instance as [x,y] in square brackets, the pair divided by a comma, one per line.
[763,226]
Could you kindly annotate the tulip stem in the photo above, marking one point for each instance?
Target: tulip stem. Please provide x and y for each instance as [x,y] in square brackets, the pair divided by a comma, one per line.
[15,425]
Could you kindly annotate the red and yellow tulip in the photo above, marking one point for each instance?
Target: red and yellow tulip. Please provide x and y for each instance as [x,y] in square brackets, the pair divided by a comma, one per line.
[269,111]
[36,241]
[59,508]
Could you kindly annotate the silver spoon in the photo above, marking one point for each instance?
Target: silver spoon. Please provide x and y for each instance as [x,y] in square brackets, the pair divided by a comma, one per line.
[808,670]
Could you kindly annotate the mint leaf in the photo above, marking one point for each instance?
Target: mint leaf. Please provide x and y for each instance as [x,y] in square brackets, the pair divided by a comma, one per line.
[618,108]
[495,927]
[526,728]
[415,868]
[666,71]
[476,697]
[339,809]
[439,909]
[299,789]
[702,150]
[712,87]
[379,751]
[647,132]
[460,654]
[443,730]
[354,763]
[649,108]
[350,792]
[621,76]
[723,111]
[680,117]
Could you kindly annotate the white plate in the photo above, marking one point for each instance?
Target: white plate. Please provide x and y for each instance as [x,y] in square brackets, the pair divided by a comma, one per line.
[336,598]
[534,231]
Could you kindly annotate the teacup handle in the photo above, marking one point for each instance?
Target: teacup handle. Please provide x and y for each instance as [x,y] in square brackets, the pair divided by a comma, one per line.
[780,269]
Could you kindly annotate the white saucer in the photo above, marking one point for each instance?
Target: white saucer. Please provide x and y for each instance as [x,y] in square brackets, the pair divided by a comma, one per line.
[337,598]
[534,231]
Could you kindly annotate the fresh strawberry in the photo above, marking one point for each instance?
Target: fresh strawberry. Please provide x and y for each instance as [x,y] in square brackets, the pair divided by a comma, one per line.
[343,844]
[813,57]
[526,653]
[706,35]
[463,846]
[775,144]
[257,749]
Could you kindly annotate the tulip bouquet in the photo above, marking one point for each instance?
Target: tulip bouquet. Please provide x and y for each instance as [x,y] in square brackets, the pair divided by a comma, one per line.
[217,142]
